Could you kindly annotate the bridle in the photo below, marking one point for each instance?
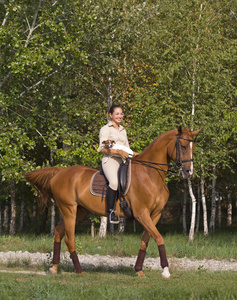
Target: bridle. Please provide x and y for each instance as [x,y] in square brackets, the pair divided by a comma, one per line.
[178,163]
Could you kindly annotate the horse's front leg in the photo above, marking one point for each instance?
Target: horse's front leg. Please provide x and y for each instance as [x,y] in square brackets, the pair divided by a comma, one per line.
[149,224]
[142,254]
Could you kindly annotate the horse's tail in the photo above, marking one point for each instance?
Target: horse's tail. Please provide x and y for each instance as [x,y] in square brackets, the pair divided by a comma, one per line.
[40,180]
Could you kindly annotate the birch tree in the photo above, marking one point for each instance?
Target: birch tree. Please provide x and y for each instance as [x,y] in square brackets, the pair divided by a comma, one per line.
[204,206]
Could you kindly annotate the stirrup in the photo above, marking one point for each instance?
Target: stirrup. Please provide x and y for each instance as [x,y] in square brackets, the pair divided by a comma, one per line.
[109,217]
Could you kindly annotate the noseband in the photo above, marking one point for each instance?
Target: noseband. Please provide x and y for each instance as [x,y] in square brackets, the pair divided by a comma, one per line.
[179,162]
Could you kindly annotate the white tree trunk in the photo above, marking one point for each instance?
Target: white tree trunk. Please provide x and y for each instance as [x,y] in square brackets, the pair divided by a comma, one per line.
[103,227]
[213,201]
[13,209]
[204,206]
[191,231]
[121,226]
[92,229]
[229,210]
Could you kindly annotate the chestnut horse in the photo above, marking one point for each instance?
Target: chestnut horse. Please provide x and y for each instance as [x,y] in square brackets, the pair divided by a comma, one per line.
[147,194]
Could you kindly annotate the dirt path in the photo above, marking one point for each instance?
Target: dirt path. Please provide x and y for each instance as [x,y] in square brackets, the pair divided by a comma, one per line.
[94,261]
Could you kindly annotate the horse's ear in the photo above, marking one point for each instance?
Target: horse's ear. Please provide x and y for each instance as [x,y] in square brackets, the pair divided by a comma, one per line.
[196,132]
[180,130]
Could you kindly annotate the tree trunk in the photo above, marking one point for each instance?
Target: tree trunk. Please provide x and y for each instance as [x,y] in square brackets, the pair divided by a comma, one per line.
[213,201]
[44,220]
[6,217]
[229,209]
[13,208]
[34,210]
[0,219]
[235,210]
[52,226]
[92,229]
[204,206]
[219,210]
[191,231]
[111,228]
[185,208]
[103,227]
[121,226]
[22,215]
[198,209]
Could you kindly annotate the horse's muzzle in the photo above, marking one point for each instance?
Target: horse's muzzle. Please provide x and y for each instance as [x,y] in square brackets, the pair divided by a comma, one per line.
[187,172]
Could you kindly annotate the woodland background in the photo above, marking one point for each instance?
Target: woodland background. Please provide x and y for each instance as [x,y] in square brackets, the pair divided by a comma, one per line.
[168,63]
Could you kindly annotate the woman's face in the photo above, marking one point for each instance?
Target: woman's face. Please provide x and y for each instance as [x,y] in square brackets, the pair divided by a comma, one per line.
[117,115]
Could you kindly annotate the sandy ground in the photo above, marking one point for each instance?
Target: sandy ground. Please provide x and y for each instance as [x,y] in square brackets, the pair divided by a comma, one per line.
[94,261]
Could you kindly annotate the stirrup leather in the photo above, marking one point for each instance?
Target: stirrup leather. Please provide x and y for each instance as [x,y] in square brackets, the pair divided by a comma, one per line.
[116,215]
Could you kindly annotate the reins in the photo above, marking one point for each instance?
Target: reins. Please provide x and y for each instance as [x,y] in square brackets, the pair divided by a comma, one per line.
[178,163]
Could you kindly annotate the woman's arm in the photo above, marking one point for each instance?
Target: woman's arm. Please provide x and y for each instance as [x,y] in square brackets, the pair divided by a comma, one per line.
[109,151]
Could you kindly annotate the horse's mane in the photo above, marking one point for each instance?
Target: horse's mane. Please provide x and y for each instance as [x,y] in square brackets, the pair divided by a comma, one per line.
[160,137]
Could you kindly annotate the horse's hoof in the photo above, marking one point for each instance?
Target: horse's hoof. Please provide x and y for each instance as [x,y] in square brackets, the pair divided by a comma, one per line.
[165,273]
[52,271]
[140,274]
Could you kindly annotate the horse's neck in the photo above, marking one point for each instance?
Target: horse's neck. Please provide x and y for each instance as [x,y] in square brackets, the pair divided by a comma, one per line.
[157,151]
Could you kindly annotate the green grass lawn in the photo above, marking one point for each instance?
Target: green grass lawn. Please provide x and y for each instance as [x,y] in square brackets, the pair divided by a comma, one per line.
[120,284]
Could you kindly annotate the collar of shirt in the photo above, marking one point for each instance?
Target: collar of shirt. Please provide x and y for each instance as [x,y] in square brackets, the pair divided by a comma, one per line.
[110,124]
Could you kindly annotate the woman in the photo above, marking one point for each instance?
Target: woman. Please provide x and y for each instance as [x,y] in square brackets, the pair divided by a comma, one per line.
[113,157]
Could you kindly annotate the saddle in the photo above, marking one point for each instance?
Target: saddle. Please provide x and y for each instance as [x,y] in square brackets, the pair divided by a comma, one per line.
[99,183]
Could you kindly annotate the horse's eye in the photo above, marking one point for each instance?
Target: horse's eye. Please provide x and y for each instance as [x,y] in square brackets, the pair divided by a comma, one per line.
[183,147]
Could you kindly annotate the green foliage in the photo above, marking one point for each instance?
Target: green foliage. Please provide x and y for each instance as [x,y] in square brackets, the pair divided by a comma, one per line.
[168,64]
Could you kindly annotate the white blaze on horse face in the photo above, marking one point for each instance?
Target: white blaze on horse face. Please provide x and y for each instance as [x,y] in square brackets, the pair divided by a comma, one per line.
[191,156]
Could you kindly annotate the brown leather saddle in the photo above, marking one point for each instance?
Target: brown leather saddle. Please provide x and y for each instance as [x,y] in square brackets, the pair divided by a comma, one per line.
[99,183]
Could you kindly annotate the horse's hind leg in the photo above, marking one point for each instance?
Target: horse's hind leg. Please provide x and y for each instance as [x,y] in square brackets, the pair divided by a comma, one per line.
[149,223]
[59,233]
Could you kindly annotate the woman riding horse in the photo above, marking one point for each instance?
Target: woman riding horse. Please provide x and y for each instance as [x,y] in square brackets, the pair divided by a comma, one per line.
[112,158]
[146,197]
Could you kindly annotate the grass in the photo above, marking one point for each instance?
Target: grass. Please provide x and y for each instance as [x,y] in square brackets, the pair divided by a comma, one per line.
[101,283]
[120,284]
[220,245]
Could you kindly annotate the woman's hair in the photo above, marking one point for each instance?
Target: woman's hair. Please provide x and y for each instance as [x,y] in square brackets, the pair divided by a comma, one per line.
[112,108]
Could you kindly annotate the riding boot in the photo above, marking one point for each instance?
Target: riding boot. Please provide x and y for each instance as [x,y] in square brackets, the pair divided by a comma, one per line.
[110,200]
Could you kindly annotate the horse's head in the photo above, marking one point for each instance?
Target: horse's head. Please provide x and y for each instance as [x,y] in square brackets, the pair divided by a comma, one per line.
[184,151]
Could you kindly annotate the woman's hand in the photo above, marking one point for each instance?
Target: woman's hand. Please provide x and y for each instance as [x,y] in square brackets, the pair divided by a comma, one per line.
[135,154]
[122,153]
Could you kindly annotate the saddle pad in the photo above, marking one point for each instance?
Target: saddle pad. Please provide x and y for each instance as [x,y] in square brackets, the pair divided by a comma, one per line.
[98,184]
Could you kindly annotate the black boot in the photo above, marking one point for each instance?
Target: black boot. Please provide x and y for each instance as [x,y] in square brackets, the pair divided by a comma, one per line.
[110,199]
